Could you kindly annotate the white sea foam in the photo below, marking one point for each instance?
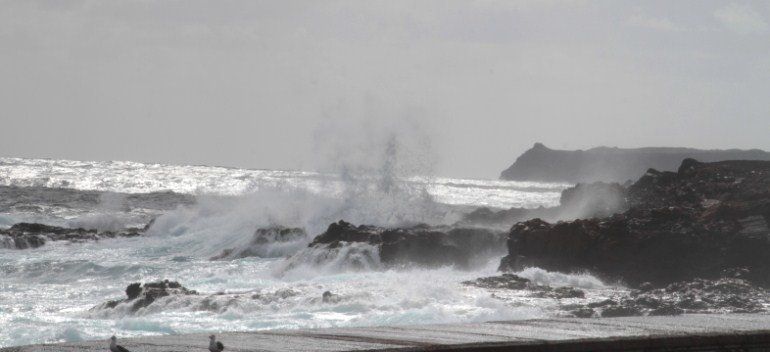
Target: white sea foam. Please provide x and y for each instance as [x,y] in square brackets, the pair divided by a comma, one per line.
[46,294]
[557,279]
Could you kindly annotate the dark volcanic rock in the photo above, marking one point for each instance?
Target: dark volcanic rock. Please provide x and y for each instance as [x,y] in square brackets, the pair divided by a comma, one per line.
[697,222]
[329,297]
[514,282]
[346,232]
[504,281]
[421,245]
[32,235]
[142,295]
[727,295]
[270,242]
[541,163]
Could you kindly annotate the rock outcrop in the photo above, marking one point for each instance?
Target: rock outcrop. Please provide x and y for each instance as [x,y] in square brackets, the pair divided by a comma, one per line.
[33,235]
[514,282]
[270,242]
[420,245]
[541,163]
[694,223]
[142,295]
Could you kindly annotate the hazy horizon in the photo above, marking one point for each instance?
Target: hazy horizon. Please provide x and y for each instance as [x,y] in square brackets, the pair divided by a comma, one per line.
[458,88]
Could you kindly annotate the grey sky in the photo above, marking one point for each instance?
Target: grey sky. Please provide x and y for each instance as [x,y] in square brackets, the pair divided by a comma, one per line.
[283,84]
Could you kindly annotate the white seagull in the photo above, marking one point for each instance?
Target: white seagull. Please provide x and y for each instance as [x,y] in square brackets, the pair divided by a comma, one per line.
[114,347]
[214,345]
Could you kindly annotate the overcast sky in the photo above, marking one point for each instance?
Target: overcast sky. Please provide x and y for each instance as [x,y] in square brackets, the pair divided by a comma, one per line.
[468,84]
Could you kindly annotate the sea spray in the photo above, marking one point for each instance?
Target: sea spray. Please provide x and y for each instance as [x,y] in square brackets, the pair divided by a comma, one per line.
[70,279]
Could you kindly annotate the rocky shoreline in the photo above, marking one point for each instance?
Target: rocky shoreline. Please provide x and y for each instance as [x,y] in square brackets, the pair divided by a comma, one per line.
[698,222]
[691,241]
[32,235]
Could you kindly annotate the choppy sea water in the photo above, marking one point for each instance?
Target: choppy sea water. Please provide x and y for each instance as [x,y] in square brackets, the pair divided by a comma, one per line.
[47,294]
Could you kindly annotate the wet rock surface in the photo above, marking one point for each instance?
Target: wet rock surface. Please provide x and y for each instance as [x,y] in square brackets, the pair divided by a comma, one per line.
[165,295]
[418,245]
[514,282]
[696,222]
[726,295]
[142,295]
[33,235]
[268,242]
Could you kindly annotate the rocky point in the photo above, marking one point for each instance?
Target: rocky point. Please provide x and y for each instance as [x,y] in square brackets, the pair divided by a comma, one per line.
[694,223]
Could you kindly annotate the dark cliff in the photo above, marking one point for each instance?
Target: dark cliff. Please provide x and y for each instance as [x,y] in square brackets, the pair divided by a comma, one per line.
[702,221]
[541,163]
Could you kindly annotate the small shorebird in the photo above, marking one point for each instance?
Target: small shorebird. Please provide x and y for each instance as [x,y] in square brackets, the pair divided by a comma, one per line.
[114,347]
[214,345]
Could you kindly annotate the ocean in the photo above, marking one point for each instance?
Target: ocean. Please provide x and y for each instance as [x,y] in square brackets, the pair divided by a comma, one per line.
[53,293]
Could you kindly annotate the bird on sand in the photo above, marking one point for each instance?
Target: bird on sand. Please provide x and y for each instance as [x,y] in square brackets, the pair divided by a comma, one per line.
[114,347]
[214,345]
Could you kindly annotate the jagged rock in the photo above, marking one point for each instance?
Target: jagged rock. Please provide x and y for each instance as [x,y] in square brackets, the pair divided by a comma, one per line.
[343,231]
[421,245]
[328,297]
[133,290]
[697,222]
[33,235]
[514,282]
[567,292]
[270,242]
[504,281]
[142,295]
[604,303]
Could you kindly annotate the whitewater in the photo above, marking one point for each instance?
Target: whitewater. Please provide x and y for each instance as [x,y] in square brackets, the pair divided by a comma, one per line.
[49,294]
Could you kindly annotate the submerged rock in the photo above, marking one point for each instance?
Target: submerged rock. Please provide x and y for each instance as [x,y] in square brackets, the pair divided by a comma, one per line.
[697,222]
[33,235]
[142,295]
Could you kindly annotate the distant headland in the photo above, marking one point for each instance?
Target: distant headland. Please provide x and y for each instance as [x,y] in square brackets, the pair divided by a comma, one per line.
[608,164]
